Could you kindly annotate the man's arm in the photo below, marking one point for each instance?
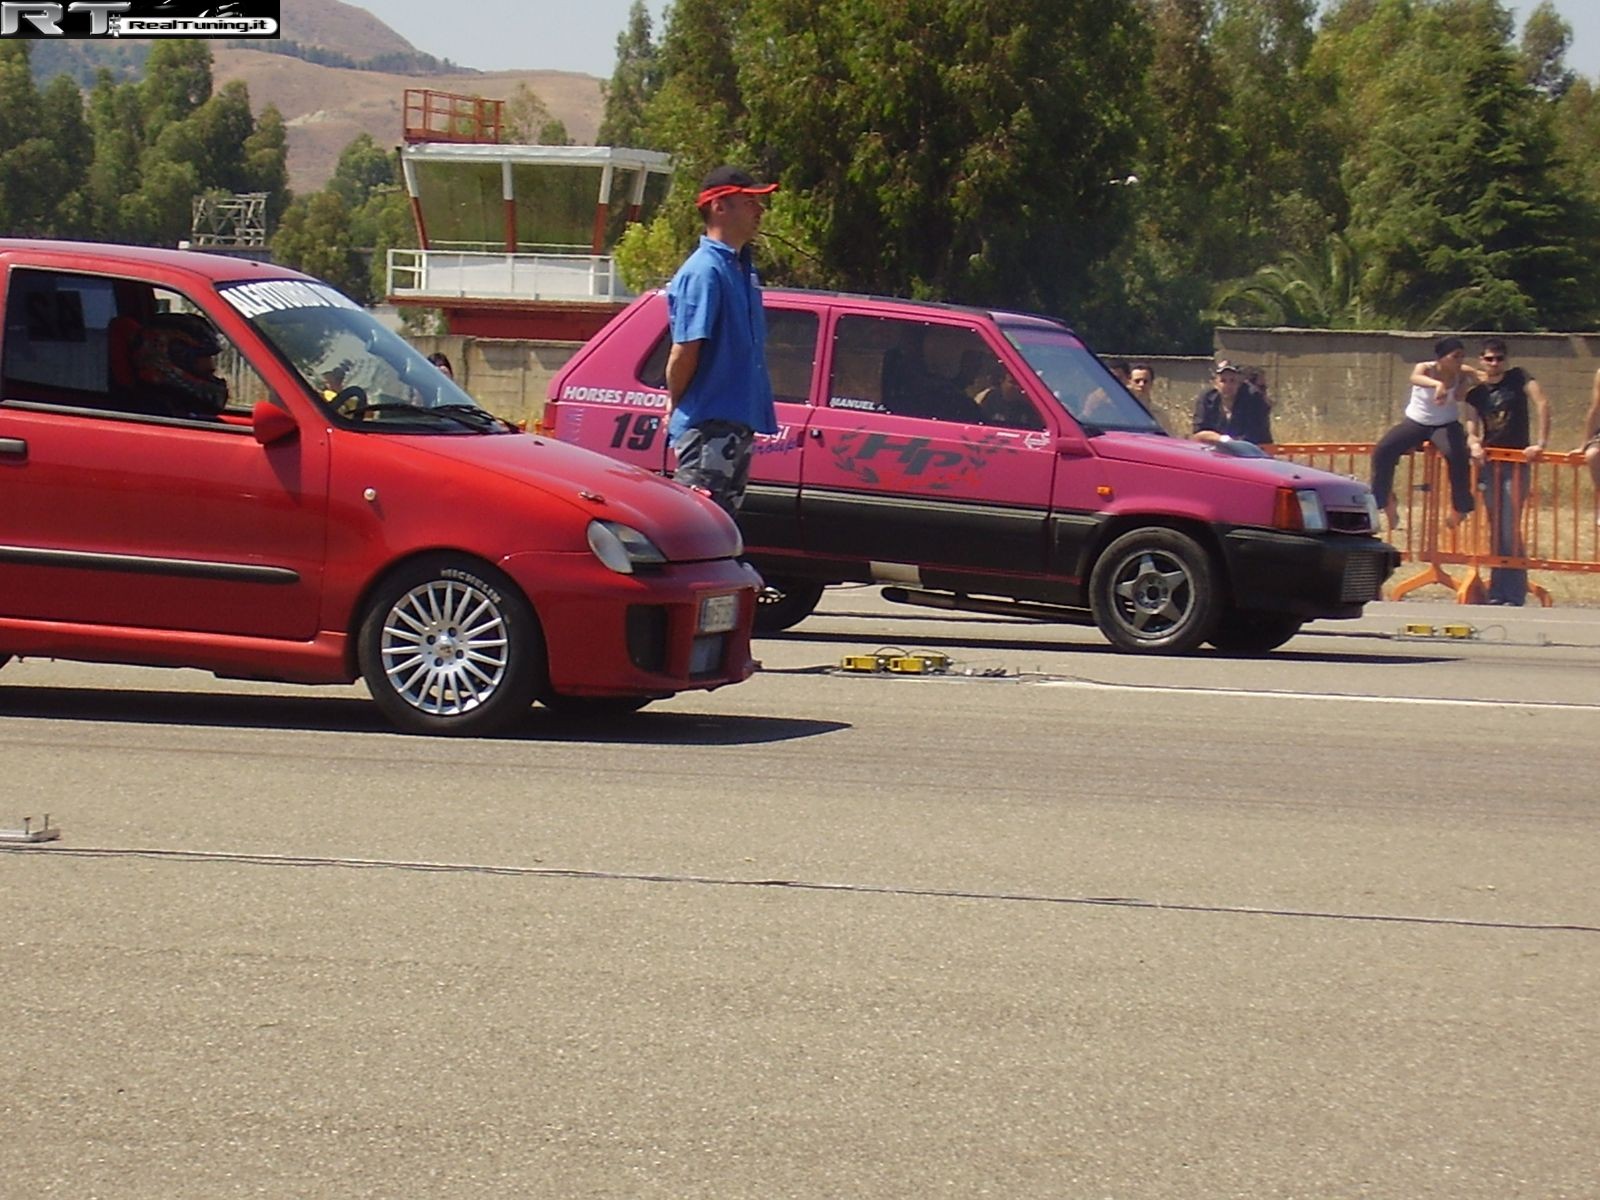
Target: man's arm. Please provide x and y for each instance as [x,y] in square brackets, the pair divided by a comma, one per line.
[1202,429]
[1541,407]
[682,362]
[1591,423]
[1472,420]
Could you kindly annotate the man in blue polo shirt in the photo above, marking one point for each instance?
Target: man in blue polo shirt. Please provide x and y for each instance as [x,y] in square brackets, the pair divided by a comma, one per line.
[717,367]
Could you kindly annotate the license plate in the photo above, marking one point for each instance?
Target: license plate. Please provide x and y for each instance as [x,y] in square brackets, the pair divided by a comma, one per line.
[718,614]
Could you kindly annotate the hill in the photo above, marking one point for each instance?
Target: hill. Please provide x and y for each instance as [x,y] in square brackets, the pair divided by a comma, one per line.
[326,107]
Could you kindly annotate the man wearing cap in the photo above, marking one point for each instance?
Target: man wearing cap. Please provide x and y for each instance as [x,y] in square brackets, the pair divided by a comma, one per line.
[1229,410]
[717,367]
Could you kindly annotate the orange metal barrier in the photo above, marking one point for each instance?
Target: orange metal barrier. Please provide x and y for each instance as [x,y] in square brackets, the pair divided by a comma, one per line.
[1539,516]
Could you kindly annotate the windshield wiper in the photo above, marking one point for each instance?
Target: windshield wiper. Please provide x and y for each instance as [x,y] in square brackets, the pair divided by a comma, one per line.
[398,408]
[480,418]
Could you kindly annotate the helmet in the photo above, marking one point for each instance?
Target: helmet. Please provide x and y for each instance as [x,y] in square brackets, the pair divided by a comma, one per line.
[171,347]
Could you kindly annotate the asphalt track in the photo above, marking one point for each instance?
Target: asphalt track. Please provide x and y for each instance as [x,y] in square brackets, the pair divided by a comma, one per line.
[1064,923]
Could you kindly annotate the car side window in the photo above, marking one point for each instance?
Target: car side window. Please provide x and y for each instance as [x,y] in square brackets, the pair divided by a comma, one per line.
[791,355]
[85,341]
[922,369]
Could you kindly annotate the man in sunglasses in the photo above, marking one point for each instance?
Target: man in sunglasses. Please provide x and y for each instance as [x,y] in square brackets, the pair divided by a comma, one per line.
[1504,406]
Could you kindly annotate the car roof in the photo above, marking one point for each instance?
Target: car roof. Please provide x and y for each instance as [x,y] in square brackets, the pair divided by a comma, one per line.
[1001,316]
[103,255]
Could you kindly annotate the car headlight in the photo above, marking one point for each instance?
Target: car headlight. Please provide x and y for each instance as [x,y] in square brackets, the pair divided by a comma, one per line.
[1300,508]
[623,548]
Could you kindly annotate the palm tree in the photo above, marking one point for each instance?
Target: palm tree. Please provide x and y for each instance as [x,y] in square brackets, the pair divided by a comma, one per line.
[1303,291]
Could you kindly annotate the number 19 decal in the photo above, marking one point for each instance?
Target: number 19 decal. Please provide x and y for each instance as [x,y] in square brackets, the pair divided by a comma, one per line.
[635,432]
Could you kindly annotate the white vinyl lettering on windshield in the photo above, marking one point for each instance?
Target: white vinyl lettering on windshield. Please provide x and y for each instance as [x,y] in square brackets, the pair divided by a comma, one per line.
[279,295]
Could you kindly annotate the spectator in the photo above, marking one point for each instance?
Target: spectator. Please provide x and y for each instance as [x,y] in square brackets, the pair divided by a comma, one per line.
[1257,379]
[1230,410]
[1501,420]
[1433,413]
[441,360]
[1005,403]
[717,367]
[1120,368]
[1141,378]
[1591,435]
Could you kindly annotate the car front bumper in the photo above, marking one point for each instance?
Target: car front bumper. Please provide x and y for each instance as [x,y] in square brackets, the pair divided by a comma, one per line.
[1308,575]
[680,627]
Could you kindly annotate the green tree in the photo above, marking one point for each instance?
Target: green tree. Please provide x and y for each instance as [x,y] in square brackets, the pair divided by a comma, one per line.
[65,128]
[116,125]
[315,236]
[266,163]
[1456,196]
[1305,290]
[177,80]
[946,148]
[1546,38]
[363,165]
[222,127]
[635,80]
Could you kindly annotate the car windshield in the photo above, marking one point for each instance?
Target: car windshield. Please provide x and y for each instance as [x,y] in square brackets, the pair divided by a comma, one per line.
[359,370]
[1081,382]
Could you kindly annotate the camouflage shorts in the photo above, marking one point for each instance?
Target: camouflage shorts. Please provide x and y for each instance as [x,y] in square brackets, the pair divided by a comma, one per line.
[715,457]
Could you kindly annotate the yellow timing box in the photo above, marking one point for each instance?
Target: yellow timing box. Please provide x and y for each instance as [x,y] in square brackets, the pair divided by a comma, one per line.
[864,662]
[1447,631]
[925,662]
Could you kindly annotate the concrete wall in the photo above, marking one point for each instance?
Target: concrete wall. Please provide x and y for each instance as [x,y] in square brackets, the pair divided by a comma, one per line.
[1337,386]
[1328,386]
[508,377]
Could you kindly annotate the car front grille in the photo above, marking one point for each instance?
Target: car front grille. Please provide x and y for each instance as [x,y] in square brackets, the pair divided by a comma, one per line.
[1363,578]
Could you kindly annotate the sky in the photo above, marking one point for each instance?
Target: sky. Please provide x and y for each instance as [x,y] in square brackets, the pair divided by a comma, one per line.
[563,35]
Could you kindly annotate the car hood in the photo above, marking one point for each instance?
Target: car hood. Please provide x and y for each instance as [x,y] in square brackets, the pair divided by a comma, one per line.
[1203,459]
[684,525]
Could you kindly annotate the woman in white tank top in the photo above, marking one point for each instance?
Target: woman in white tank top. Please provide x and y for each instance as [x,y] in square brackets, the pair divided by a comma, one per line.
[1433,414]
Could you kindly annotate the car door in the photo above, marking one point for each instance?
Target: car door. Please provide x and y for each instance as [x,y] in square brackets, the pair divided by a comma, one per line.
[912,464]
[112,517]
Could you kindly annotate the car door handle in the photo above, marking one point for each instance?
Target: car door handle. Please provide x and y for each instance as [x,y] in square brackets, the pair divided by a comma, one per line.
[815,433]
[13,448]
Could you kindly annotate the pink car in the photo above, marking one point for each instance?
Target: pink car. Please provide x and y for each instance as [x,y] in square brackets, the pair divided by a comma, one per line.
[211,463]
[987,461]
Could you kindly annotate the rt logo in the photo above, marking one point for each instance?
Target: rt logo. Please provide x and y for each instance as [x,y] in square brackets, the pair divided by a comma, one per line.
[46,18]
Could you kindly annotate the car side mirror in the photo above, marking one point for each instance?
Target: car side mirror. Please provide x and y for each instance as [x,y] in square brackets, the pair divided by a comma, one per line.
[271,423]
[1072,445]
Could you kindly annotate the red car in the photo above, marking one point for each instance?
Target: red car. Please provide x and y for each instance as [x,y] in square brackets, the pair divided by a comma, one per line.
[212,463]
[987,461]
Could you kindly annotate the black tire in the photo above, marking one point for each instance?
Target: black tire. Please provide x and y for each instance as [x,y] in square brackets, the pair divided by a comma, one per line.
[1154,591]
[450,646]
[1254,632]
[784,603]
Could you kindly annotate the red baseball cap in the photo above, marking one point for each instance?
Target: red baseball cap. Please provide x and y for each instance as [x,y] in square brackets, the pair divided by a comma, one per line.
[730,181]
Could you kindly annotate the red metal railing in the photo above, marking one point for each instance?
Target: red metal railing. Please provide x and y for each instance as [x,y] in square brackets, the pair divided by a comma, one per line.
[447,117]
